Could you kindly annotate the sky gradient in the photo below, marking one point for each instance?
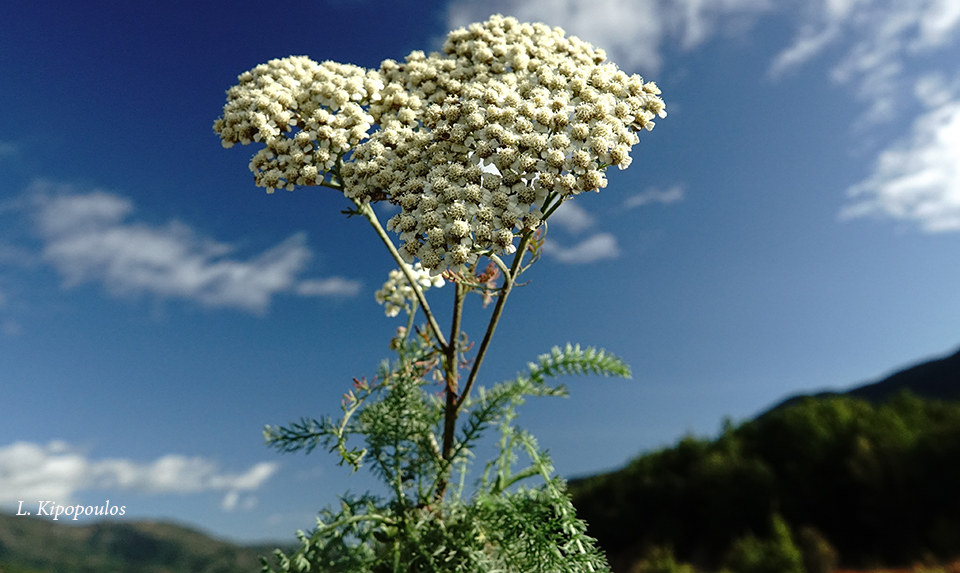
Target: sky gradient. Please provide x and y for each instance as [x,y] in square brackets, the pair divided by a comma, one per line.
[791,225]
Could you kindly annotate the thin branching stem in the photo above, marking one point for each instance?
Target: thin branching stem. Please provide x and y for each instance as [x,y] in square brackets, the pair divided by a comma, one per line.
[549,205]
[451,373]
[451,367]
[367,211]
[500,264]
[509,279]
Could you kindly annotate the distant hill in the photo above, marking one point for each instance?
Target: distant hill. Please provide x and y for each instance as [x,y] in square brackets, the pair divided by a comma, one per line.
[37,545]
[937,379]
[866,476]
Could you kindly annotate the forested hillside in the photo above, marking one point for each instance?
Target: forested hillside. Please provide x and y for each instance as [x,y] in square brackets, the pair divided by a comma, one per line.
[36,545]
[830,479]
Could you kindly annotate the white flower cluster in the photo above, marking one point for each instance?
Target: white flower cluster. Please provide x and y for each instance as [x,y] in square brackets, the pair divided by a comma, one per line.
[475,140]
[474,144]
[307,115]
[397,294]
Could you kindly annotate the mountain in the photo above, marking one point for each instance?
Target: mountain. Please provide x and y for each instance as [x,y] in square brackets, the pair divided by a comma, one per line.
[866,476]
[937,379]
[37,545]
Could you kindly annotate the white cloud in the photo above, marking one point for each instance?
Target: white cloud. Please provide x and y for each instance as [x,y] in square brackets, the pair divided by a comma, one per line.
[820,25]
[597,247]
[884,50]
[89,238]
[810,41]
[881,50]
[58,471]
[934,90]
[335,286]
[633,33]
[571,217]
[233,500]
[939,21]
[878,42]
[653,195]
[917,179]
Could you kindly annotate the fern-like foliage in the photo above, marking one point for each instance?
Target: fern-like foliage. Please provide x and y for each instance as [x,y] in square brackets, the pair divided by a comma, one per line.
[573,360]
[505,524]
[305,435]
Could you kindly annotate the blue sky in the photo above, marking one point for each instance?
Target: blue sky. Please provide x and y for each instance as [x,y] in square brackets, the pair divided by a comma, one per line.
[791,225]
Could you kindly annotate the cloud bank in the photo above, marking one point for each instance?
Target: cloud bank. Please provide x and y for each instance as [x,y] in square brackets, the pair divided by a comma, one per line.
[918,178]
[886,48]
[91,238]
[879,42]
[58,471]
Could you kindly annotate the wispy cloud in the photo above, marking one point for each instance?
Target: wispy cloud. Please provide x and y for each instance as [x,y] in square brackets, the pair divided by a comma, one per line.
[935,90]
[91,238]
[572,217]
[818,26]
[595,248]
[810,41]
[58,471]
[654,195]
[233,501]
[335,286]
[633,33]
[882,50]
[878,42]
[917,179]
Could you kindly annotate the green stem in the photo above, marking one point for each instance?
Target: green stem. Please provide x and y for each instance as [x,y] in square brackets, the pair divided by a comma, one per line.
[500,264]
[509,279]
[451,358]
[552,207]
[451,368]
[367,211]
[325,528]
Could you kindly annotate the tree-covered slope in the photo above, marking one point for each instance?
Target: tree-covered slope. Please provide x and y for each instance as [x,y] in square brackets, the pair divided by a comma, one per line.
[877,482]
[36,545]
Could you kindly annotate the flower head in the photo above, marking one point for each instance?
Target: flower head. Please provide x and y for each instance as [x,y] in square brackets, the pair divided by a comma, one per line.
[306,114]
[397,294]
[474,144]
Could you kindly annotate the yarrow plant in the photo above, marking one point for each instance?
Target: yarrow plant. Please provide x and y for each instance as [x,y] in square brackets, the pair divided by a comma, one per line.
[397,294]
[477,145]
